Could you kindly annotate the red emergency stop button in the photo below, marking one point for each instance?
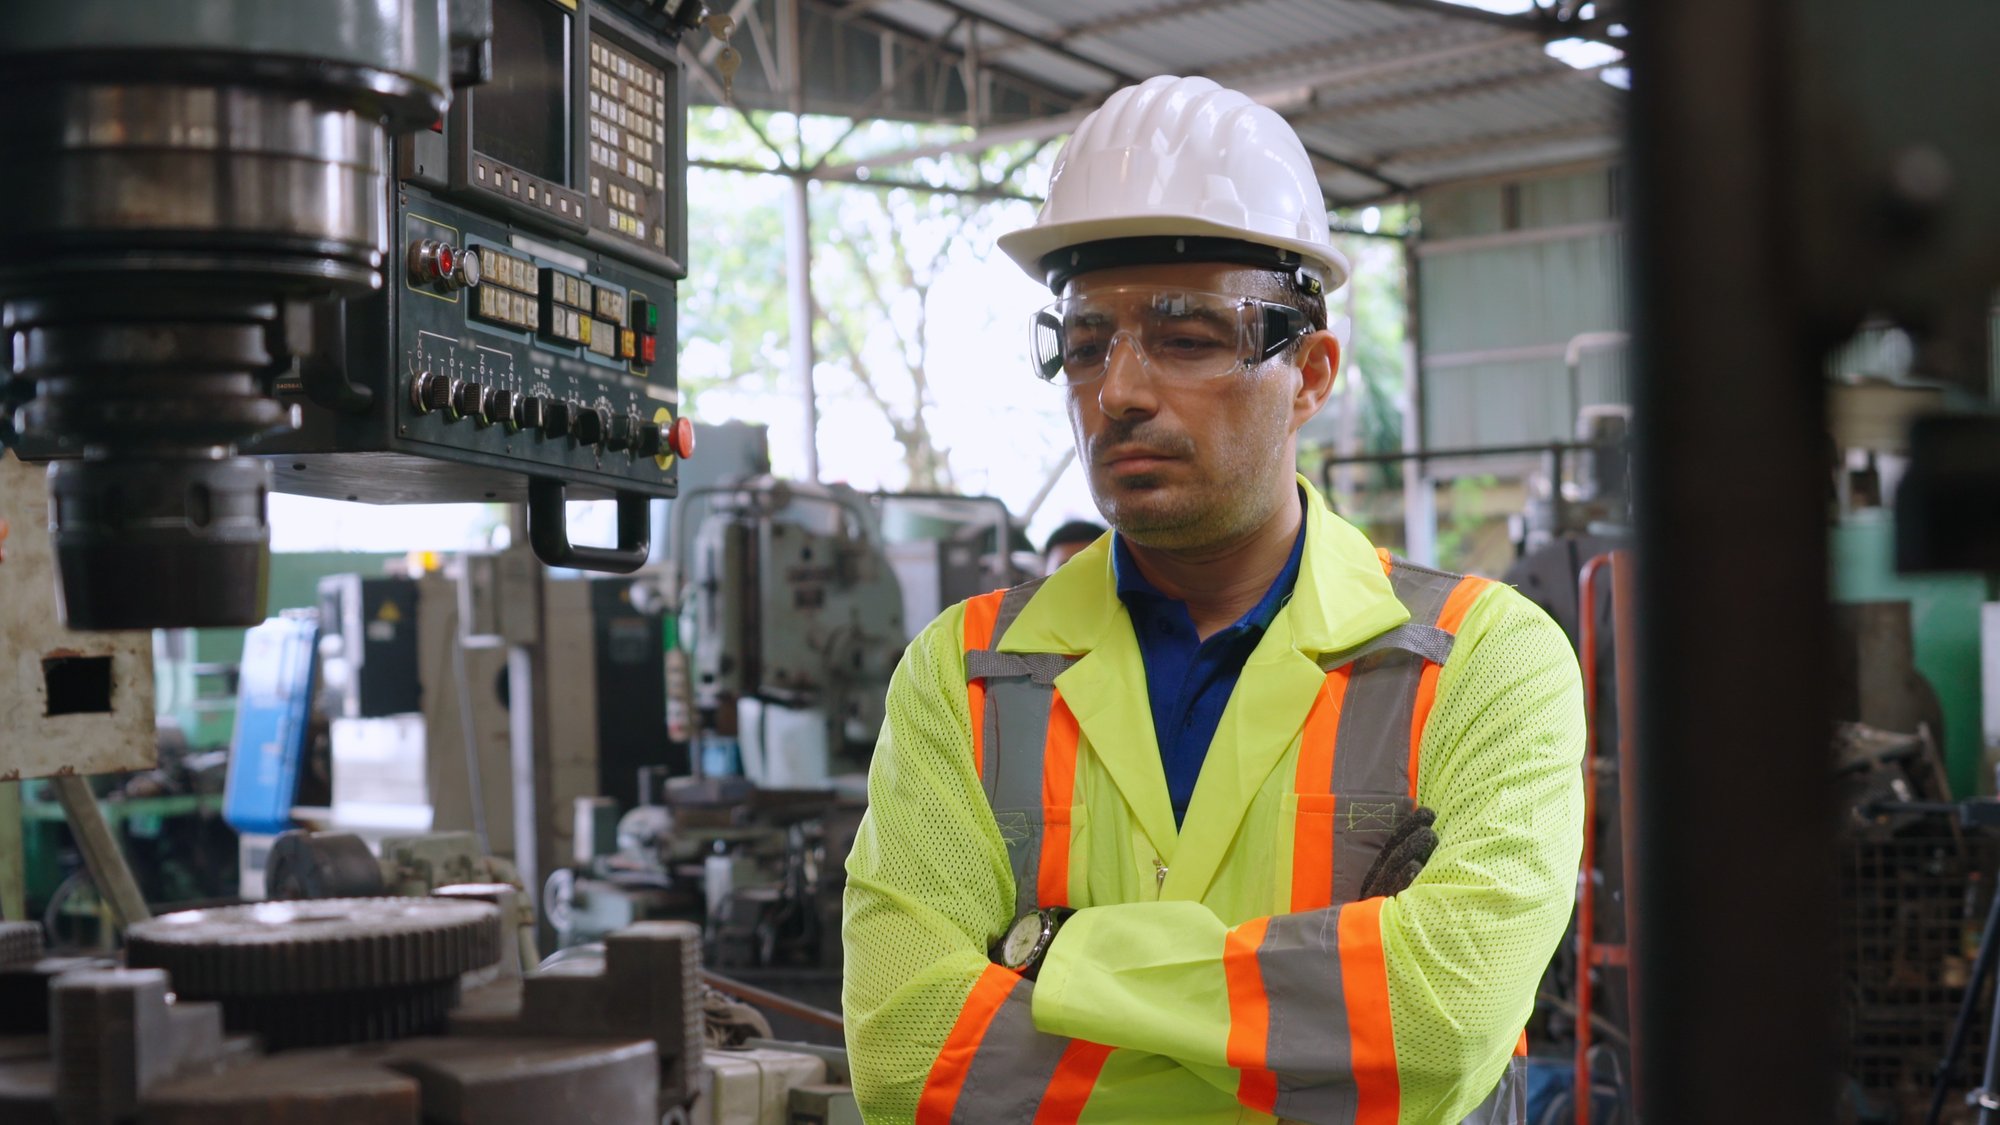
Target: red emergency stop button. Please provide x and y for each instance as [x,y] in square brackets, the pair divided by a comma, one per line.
[680,438]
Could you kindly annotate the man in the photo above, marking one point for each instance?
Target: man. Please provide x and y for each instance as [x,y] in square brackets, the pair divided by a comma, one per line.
[1151,839]
[1067,542]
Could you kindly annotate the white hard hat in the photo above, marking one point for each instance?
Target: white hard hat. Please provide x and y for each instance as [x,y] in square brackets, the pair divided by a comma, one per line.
[1196,170]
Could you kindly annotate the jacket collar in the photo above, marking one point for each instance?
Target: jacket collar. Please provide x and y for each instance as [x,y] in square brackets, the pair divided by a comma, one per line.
[1342,599]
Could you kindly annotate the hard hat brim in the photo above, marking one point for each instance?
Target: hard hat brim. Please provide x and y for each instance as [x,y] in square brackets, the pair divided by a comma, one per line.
[1028,246]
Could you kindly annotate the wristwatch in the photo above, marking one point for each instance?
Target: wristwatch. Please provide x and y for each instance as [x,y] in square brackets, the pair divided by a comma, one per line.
[1028,940]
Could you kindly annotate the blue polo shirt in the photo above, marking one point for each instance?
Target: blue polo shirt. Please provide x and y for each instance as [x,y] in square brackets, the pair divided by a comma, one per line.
[1189,680]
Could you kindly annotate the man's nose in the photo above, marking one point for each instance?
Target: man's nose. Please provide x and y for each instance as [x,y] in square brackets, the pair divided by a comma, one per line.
[1127,386]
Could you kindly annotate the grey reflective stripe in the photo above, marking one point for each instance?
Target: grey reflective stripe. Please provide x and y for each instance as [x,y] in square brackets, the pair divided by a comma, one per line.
[1020,694]
[1307,1044]
[1508,1103]
[1041,667]
[1021,708]
[1427,641]
[1371,764]
[1011,604]
[1012,1067]
[1421,590]
[1371,761]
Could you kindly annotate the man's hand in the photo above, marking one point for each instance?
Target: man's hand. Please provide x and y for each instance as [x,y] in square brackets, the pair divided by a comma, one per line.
[1403,857]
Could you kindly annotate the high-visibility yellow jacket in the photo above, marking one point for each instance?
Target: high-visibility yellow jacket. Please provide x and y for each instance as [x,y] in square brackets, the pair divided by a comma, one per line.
[1221,972]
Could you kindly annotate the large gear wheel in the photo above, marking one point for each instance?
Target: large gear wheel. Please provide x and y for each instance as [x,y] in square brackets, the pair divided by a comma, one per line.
[327,971]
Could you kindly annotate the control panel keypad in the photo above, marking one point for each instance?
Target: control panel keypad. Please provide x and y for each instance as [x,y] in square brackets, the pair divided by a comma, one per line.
[629,105]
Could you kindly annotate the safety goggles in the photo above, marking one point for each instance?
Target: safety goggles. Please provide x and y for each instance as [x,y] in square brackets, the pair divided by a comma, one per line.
[1179,335]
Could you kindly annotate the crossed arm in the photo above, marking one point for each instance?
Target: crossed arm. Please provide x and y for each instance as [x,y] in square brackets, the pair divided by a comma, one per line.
[1389,1009]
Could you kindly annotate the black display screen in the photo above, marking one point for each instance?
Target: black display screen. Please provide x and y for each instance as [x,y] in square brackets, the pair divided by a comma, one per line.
[522,116]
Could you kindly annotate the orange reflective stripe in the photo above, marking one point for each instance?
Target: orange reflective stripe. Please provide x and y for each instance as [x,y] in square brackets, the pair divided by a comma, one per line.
[1388,560]
[1521,1048]
[1420,713]
[1312,823]
[1460,603]
[1364,979]
[980,614]
[954,1061]
[1070,1087]
[1249,1016]
[1456,606]
[1058,794]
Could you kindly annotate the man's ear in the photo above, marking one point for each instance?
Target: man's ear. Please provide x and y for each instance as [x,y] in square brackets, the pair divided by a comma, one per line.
[1319,370]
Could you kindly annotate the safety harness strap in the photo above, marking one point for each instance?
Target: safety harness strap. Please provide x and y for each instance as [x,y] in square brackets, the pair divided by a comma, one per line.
[1040,667]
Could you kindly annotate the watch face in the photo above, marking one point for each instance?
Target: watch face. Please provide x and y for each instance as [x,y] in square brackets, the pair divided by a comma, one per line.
[1019,944]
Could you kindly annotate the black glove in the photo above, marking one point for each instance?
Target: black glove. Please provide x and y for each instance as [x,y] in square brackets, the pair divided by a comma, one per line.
[1403,856]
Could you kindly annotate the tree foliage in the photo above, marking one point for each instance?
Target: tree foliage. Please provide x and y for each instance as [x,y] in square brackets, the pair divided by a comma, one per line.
[877,256]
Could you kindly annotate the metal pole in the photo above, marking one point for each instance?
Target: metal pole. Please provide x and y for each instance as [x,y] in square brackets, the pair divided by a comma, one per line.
[101,853]
[1736,967]
[1049,484]
[1419,499]
[799,295]
[763,998]
[1988,1095]
[798,235]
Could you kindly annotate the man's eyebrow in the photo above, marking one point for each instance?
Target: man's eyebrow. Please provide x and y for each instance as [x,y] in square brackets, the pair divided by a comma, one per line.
[1181,311]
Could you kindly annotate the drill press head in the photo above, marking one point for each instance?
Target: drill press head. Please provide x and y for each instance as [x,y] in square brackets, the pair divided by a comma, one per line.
[182,183]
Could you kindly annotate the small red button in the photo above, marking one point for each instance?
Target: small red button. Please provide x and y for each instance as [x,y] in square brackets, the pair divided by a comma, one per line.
[444,261]
[680,438]
[648,348]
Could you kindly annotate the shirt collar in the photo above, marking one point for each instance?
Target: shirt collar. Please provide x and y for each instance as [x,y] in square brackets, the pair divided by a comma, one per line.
[1133,585]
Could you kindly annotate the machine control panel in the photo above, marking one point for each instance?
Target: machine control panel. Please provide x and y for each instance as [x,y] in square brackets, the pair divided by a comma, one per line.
[529,333]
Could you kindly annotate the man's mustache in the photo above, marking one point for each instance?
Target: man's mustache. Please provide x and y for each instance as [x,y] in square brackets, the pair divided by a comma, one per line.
[1146,436]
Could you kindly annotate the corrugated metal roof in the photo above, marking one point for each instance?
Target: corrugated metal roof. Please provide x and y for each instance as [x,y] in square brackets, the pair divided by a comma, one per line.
[1388,94]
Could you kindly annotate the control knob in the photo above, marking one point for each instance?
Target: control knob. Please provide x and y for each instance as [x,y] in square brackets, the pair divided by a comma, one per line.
[434,394]
[652,441]
[618,436]
[555,418]
[590,424]
[528,412]
[500,408]
[471,401]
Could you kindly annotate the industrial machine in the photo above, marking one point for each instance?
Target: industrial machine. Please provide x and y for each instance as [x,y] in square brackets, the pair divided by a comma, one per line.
[797,622]
[422,1028]
[269,248]
[760,869]
[792,604]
